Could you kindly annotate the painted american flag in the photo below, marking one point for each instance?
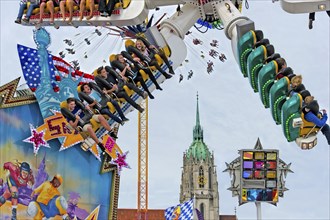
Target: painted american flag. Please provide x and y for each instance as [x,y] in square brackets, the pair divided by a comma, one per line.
[58,68]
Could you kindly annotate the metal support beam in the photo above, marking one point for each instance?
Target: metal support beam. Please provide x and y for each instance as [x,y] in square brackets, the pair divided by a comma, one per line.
[143,162]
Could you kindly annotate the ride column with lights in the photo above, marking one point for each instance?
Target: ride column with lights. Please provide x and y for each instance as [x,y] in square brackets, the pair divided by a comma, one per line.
[142,209]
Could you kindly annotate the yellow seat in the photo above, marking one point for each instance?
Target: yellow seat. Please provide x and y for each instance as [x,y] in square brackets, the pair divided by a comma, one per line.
[75,7]
[308,127]
[94,124]
[120,100]
[109,104]
[159,60]
[129,42]
[112,57]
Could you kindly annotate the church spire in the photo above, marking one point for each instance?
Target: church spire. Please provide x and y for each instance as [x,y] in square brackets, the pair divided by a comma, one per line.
[198,131]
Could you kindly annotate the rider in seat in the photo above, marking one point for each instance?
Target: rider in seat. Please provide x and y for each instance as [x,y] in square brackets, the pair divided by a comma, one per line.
[77,116]
[145,52]
[311,112]
[109,83]
[128,69]
[93,96]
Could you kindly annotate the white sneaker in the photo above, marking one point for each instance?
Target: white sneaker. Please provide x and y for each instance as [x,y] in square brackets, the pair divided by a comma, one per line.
[63,202]
[32,209]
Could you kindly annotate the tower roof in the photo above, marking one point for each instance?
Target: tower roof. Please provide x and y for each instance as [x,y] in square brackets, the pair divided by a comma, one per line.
[198,148]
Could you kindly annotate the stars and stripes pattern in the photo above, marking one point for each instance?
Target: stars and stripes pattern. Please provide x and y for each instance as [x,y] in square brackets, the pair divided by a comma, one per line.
[31,69]
[64,68]
[183,211]
[57,67]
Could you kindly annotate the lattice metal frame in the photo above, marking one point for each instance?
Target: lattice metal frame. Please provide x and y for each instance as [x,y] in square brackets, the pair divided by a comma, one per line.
[142,197]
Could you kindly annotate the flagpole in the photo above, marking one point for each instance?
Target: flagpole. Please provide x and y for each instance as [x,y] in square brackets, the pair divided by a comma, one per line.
[258,205]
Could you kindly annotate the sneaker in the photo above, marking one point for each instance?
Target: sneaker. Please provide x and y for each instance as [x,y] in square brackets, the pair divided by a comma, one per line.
[101,146]
[167,76]
[113,135]
[151,96]
[18,21]
[140,109]
[32,209]
[125,119]
[26,20]
[171,70]
[144,95]
[104,14]
[159,88]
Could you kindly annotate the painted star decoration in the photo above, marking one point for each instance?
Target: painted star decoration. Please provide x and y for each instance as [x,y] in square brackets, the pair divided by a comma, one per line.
[37,139]
[120,161]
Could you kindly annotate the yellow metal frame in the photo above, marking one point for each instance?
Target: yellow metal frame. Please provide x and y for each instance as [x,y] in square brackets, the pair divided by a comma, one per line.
[142,197]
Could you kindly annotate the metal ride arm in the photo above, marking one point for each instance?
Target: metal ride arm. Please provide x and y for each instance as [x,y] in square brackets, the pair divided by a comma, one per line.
[173,30]
[306,6]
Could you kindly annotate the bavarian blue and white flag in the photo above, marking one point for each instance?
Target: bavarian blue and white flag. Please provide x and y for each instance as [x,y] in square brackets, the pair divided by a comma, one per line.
[182,211]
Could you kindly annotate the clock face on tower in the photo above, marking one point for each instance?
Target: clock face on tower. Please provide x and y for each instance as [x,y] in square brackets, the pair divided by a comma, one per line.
[201,180]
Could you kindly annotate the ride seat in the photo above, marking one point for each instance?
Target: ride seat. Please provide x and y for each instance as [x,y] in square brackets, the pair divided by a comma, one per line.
[127,90]
[109,104]
[291,110]
[244,47]
[37,9]
[95,125]
[308,127]
[277,97]
[266,78]
[114,63]
[131,49]
[254,63]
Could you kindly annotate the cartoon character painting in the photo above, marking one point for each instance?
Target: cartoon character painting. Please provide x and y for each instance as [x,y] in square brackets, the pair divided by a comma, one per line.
[48,202]
[20,175]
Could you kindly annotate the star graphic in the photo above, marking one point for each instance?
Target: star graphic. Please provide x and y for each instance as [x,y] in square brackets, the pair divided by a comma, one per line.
[120,161]
[37,139]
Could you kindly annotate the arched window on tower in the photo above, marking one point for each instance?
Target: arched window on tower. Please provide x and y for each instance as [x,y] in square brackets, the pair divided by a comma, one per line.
[201,178]
[202,209]
[210,177]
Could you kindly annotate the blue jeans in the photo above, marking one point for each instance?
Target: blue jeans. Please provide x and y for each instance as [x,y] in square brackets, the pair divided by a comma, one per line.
[29,11]
[49,210]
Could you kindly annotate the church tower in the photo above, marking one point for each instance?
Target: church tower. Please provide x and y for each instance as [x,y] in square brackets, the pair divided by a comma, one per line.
[199,176]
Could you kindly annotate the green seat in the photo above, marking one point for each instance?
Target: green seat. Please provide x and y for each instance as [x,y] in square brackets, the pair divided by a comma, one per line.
[266,78]
[254,63]
[277,97]
[244,46]
[291,110]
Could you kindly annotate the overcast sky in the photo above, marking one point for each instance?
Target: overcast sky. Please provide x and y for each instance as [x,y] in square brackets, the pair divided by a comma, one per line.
[231,114]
